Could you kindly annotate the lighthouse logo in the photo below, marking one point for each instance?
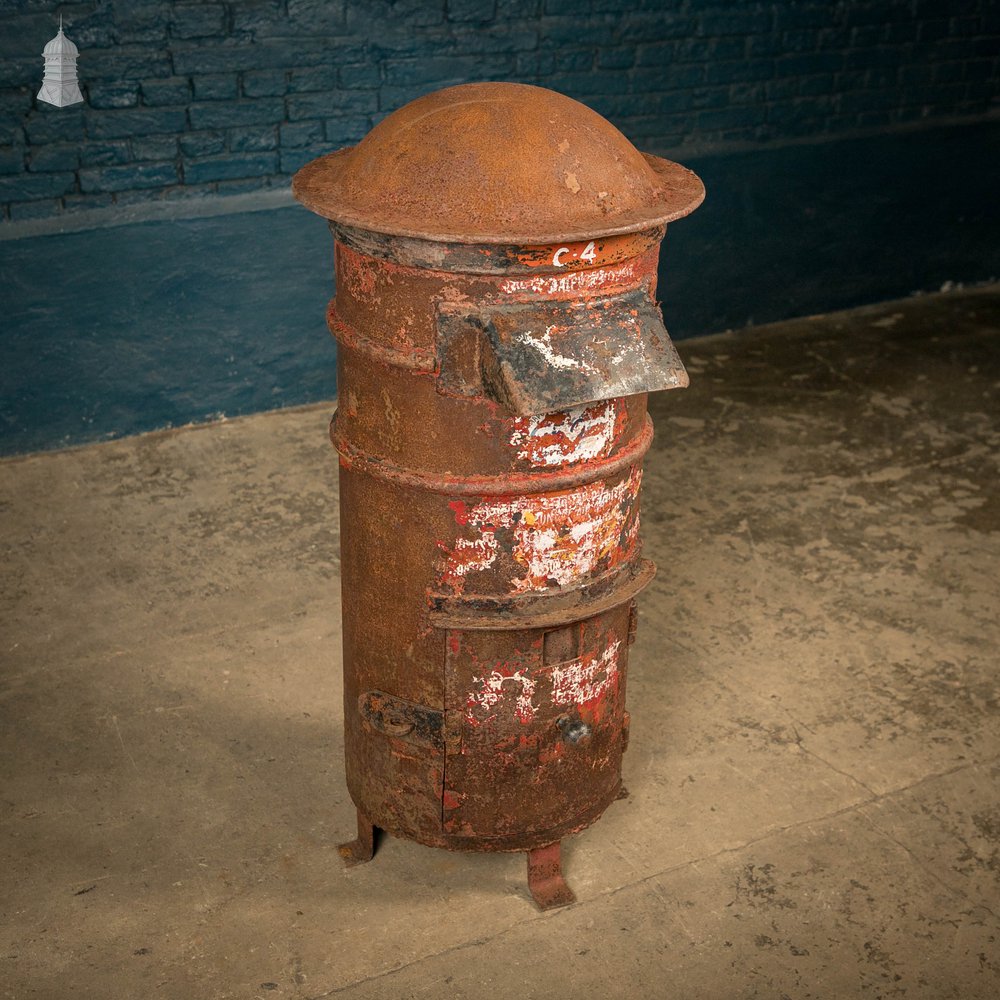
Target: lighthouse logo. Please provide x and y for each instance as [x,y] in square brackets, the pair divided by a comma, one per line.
[60,86]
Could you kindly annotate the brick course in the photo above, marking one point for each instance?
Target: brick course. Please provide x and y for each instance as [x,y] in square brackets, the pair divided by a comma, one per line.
[193,98]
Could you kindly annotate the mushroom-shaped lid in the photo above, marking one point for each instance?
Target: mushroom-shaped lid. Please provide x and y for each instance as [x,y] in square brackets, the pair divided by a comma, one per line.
[60,44]
[497,163]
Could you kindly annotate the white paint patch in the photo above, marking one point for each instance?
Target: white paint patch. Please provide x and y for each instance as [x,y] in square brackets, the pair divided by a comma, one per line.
[491,690]
[474,553]
[557,537]
[578,681]
[580,434]
[572,283]
[543,344]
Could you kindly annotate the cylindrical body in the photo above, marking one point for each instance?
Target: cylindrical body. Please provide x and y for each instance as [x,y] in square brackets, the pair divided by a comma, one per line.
[489,561]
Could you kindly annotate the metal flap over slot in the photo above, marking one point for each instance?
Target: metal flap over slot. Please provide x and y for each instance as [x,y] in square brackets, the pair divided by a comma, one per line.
[537,358]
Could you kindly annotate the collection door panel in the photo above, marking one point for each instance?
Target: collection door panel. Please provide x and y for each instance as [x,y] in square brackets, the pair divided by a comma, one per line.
[533,725]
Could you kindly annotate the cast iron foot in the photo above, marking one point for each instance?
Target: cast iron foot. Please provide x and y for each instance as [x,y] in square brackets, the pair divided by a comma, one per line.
[545,878]
[357,852]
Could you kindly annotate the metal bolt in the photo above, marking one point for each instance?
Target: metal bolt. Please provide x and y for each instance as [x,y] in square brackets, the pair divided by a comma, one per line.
[574,730]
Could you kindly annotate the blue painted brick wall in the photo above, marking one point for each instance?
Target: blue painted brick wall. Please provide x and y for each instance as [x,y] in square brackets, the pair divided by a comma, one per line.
[192,98]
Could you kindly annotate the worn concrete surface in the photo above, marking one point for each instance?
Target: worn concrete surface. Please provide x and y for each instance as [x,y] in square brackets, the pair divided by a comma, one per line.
[815,698]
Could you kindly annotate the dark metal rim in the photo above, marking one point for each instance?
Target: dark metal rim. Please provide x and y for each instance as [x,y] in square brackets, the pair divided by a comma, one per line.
[542,610]
[683,192]
[488,259]
[501,484]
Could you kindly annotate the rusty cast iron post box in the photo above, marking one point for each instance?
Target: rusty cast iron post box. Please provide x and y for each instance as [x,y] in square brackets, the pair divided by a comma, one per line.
[495,254]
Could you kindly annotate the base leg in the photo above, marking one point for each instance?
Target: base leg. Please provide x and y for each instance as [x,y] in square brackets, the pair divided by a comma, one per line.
[545,878]
[357,852]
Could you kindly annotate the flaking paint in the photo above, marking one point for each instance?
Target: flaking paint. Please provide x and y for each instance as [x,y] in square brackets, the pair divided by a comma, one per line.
[559,538]
[575,283]
[542,343]
[579,434]
[492,689]
[468,556]
[587,678]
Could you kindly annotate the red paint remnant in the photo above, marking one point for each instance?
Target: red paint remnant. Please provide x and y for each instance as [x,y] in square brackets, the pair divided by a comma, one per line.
[583,253]
[461,511]
[357,270]
[451,800]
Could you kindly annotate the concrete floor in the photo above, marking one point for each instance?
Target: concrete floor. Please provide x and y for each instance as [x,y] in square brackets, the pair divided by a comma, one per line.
[815,699]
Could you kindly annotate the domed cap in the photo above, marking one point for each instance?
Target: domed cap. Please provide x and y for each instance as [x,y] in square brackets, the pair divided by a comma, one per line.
[497,163]
[60,45]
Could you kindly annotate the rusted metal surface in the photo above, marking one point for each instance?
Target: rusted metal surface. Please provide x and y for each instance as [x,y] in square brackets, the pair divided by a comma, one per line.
[513,774]
[484,258]
[362,848]
[417,725]
[491,428]
[545,878]
[497,163]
